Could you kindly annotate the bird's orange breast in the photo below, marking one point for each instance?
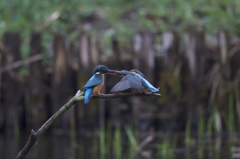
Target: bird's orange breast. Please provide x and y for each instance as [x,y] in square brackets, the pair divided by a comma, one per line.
[96,89]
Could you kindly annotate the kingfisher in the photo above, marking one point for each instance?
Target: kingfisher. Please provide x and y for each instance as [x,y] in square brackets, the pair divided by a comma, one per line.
[133,79]
[96,82]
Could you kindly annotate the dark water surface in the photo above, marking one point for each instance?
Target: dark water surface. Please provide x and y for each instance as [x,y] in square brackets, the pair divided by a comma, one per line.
[88,147]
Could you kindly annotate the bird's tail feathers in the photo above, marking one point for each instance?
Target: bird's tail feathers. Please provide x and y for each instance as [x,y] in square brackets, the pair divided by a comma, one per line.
[150,86]
[153,89]
[88,93]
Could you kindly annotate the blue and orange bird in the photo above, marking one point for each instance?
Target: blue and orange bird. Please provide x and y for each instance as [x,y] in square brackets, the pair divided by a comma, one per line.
[96,82]
[133,79]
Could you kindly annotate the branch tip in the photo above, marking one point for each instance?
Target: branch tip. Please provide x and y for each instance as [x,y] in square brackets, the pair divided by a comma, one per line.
[158,94]
[33,132]
[78,92]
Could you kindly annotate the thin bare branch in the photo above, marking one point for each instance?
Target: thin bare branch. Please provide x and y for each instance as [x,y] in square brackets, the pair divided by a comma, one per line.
[145,142]
[54,16]
[117,95]
[19,63]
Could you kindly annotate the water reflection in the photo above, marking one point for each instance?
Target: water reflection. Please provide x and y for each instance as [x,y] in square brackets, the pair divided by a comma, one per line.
[85,146]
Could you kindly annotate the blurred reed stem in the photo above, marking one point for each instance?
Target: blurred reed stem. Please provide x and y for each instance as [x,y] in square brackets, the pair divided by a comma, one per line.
[230,116]
[217,120]
[16,128]
[108,135]
[102,142]
[236,90]
[200,126]
[188,130]
[117,144]
[132,139]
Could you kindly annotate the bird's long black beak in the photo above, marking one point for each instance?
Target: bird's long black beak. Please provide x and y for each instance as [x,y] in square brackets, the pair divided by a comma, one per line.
[114,72]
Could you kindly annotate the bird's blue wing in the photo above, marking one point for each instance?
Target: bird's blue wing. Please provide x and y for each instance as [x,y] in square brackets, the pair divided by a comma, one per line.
[140,73]
[129,81]
[134,81]
[93,81]
[122,85]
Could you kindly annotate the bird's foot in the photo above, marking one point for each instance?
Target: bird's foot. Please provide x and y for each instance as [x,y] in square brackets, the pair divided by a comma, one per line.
[100,95]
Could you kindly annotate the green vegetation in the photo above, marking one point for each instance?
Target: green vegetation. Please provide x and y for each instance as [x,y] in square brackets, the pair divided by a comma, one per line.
[131,137]
[236,91]
[188,131]
[166,148]
[25,15]
[200,125]
[230,116]
[214,122]
[117,142]
[118,17]
[102,142]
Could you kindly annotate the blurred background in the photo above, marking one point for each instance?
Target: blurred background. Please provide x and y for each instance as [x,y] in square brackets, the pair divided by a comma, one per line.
[190,49]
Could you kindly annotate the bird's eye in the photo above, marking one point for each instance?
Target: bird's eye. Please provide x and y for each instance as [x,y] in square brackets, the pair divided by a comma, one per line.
[97,72]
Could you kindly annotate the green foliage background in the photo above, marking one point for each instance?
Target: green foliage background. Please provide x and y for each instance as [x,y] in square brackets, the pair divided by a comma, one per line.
[212,14]
[119,17]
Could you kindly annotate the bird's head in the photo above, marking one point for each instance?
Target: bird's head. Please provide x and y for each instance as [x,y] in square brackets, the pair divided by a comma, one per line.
[101,69]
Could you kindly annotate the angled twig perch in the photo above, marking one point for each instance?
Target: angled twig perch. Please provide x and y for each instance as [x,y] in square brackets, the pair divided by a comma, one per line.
[78,97]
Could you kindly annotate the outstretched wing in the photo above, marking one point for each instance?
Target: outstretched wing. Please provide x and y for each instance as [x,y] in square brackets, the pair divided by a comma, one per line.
[129,81]
[93,81]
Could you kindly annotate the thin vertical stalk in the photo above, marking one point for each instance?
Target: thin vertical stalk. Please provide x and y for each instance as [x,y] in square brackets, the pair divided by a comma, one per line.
[102,142]
[230,122]
[117,142]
